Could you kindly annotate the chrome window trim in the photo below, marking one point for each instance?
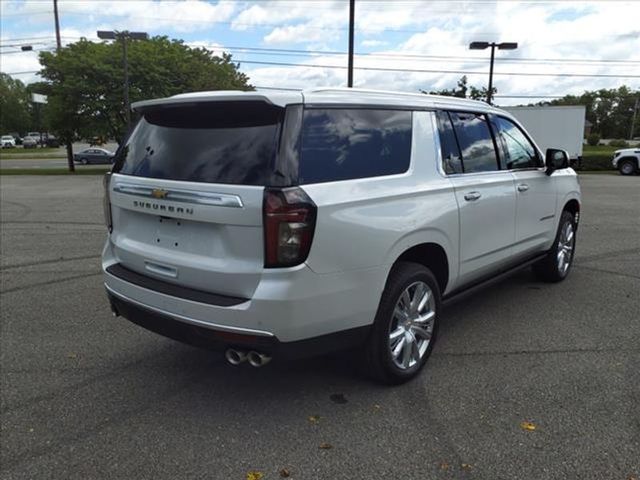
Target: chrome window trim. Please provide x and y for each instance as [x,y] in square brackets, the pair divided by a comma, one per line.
[186,196]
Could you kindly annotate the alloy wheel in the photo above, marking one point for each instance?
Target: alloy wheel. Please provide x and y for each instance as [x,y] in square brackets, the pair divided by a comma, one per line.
[411,326]
[565,248]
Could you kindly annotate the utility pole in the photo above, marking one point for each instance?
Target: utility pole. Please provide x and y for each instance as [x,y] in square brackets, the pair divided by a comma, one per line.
[352,7]
[55,14]
[69,144]
[125,62]
[124,37]
[633,119]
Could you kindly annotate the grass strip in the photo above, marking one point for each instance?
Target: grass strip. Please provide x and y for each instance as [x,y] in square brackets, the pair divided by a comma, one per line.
[53,171]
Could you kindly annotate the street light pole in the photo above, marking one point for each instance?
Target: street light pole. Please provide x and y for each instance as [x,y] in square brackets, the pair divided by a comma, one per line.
[493,45]
[493,56]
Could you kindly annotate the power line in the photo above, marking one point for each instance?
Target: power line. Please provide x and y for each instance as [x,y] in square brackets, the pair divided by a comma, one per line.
[466,59]
[17,14]
[463,72]
[280,51]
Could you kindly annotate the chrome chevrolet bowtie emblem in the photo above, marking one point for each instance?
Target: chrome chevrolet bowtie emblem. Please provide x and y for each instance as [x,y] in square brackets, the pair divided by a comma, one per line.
[159,193]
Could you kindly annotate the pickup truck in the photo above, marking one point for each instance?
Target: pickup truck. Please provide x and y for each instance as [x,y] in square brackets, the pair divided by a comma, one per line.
[627,160]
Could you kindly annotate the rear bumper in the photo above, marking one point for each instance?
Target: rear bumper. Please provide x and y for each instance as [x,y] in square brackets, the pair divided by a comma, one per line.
[288,305]
[209,337]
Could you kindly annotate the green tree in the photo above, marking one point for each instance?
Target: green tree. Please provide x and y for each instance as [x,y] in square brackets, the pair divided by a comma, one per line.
[464,90]
[85,81]
[609,110]
[15,107]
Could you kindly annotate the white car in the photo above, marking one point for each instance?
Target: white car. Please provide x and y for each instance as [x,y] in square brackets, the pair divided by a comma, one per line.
[283,224]
[7,141]
[627,160]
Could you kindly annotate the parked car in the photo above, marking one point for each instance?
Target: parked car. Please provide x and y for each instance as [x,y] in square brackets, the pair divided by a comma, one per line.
[627,160]
[7,141]
[93,155]
[51,141]
[287,224]
[29,142]
[35,135]
[16,136]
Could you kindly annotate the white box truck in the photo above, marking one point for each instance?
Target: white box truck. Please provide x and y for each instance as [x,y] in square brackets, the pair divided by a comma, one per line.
[554,127]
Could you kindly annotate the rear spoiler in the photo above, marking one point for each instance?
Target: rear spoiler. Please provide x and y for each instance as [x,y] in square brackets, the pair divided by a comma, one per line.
[279,99]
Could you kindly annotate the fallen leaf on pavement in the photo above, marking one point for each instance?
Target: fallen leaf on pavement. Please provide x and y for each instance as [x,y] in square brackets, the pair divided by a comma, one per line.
[72,355]
[444,466]
[285,473]
[325,446]
[528,426]
[254,475]
[314,419]
[466,466]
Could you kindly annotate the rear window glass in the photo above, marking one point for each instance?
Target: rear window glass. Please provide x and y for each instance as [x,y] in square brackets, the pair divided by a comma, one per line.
[217,142]
[342,144]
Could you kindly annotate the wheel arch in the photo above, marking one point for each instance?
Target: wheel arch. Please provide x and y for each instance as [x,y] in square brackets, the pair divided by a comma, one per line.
[572,206]
[628,158]
[431,255]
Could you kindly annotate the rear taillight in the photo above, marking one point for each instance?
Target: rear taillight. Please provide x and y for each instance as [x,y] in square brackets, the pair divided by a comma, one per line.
[289,217]
[106,203]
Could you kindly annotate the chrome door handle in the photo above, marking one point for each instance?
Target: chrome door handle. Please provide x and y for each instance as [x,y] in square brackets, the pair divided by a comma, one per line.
[472,196]
[523,187]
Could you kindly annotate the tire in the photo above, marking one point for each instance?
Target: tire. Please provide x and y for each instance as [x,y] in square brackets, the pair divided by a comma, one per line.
[84,161]
[627,167]
[556,265]
[395,316]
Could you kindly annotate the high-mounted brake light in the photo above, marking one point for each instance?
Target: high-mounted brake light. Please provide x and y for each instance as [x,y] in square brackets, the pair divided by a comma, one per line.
[106,203]
[289,217]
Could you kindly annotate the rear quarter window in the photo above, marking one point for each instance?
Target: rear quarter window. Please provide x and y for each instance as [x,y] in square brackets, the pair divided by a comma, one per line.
[342,144]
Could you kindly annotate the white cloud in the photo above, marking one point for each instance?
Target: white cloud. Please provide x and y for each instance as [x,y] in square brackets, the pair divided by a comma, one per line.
[404,35]
[543,31]
[294,34]
[179,16]
[373,43]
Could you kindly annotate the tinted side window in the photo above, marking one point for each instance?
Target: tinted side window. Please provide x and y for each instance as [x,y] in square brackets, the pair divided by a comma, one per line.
[519,151]
[341,144]
[476,142]
[451,159]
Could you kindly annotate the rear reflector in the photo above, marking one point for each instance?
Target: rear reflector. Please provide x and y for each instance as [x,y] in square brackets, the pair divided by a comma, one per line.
[289,218]
[106,202]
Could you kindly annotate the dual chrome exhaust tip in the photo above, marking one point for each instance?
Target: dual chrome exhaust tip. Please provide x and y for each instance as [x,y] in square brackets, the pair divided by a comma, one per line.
[255,359]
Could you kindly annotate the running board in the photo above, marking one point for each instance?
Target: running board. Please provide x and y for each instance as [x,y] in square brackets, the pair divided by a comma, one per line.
[473,288]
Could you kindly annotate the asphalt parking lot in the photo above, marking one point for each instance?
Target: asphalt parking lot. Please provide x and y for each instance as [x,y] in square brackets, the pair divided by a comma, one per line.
[85,395]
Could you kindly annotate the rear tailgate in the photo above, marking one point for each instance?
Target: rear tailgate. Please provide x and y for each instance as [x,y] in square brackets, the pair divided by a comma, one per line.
[187,191]
[209,238]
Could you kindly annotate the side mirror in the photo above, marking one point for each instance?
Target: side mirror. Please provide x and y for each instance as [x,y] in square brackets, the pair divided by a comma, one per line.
[556,160]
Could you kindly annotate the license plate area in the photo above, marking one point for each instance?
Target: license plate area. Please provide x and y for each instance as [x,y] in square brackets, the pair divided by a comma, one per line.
[170,232]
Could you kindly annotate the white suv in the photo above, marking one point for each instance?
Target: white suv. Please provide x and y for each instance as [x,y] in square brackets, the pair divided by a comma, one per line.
[287,224]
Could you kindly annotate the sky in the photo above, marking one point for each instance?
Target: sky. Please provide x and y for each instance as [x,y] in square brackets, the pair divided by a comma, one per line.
[403,45]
